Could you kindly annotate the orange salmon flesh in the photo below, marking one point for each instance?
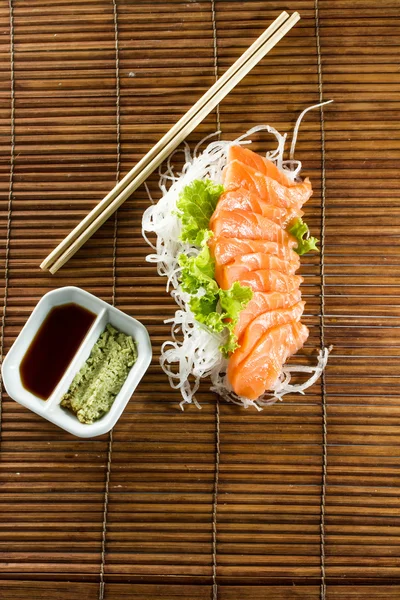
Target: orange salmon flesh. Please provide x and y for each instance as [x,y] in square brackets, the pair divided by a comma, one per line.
[251,245]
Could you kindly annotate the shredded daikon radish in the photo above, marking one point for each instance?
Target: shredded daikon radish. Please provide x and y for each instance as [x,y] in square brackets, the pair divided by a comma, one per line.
[297,126]
[194,350]
[283,386]
[193,353]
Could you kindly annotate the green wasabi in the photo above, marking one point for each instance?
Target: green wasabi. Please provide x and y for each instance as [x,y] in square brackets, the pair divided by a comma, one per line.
[94,388]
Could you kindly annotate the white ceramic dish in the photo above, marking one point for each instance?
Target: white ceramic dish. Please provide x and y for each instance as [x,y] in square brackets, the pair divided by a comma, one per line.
[50,409]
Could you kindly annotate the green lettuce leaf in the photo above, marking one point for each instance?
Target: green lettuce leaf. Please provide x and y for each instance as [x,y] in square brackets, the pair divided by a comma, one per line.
[235,299]
[232,302]
[220,310]
[198,272]
[299,229]
[205,311]
[195,205]
[217,309]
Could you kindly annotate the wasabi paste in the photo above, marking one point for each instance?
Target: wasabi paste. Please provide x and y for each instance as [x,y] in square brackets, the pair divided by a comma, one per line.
[94,388]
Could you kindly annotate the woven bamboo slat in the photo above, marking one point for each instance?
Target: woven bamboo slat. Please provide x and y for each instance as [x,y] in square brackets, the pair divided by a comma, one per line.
[59,155]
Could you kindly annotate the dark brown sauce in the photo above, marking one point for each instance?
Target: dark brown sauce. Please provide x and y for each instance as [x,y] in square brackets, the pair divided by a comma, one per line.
[53,348]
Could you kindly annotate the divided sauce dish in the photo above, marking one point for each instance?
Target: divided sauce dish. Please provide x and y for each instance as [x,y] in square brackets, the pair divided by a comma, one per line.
[50,409]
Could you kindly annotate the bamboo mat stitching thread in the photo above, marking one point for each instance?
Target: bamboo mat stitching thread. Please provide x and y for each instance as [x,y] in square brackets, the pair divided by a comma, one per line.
[215,45]
[10,195]
[114,280]
[118,125]
[217,412]
[103,541]
[215,498]
[322,314]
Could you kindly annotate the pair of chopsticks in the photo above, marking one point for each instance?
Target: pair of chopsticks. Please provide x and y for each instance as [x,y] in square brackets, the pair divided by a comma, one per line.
[141,171]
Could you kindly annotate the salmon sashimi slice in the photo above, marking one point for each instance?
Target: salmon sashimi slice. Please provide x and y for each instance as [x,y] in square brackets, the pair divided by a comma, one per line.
[259,260]
[259,163]
[225,249]
[262,302]
[251,245]
[270,281]
[226,275]
[238,175]
[259,326]
[244,200]
[260,370]
[243,224]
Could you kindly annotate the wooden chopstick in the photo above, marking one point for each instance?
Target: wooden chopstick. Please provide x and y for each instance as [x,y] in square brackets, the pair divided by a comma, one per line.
[168,137]
[89,225]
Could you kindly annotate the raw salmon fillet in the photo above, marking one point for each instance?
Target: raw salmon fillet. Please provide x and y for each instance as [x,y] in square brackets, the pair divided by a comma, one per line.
[261,325]
[260,370]
[241,267]
[257,162]
[251,245]
[237,175]
[265,280]
[248,225]
[226,249]
[259,260]
[242,199]
[263,302]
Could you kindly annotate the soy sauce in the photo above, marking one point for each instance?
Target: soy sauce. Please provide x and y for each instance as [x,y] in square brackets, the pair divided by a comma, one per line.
[53,348]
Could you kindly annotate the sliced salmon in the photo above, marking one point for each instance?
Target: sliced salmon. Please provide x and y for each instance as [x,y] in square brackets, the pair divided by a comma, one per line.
[247,225]
[259,326]
[260,260]
[238,175]
[225,249]
[259,163]
[251,245]
[260,369]
[242,199]
[270,281]
[226,275]
[262,302]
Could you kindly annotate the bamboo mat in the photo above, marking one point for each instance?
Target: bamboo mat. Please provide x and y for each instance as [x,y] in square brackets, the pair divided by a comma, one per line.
[307,502]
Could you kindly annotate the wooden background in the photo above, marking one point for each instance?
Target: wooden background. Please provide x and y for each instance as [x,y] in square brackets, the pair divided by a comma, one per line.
[90,85]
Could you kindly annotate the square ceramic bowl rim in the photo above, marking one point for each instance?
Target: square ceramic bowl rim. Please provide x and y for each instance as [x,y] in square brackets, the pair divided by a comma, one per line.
[50,408]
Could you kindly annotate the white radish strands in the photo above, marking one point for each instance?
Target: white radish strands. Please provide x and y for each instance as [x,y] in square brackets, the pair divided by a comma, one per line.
[297,126]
